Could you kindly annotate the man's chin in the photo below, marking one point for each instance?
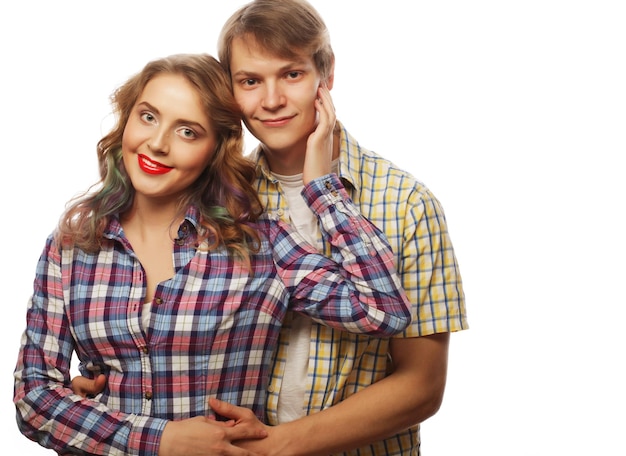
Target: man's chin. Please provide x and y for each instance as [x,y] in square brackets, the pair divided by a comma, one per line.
[277,144]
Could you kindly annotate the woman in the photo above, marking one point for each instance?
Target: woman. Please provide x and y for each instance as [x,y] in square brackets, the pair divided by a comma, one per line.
[169,279]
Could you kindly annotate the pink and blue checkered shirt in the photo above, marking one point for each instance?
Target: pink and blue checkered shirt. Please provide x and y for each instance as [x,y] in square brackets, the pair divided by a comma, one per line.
[211,333]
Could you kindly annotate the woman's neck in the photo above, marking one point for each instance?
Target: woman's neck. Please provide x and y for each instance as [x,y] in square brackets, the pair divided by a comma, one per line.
[147,218]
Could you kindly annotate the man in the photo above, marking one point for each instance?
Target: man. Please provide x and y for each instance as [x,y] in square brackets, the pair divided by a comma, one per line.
[331,391]
[370,393]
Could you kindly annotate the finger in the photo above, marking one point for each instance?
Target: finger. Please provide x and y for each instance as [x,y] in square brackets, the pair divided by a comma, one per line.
[246,431]
[326,98]
[247,424]
[229,423]
[84,386]
[228,410]
[326,120]
[100,382]
[324,105]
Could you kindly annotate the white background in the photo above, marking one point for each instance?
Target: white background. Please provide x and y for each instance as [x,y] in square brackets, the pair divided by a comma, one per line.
[512,112]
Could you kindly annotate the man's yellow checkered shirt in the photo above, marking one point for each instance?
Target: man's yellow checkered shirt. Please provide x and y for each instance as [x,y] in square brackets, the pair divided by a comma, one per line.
[414,223]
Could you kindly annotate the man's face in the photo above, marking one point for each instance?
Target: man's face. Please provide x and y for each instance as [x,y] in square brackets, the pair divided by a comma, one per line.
[276,96]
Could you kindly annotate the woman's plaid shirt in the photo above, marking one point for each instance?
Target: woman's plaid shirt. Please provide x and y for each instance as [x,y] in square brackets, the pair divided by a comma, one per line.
[212,330]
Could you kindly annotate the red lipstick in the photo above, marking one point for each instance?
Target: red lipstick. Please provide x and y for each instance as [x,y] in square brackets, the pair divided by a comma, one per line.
[152,167]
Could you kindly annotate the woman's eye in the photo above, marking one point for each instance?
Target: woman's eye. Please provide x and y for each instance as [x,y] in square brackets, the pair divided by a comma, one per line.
[187,133]
[147,117]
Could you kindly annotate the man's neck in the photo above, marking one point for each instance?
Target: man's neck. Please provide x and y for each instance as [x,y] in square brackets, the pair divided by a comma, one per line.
[286,163]
[291,162]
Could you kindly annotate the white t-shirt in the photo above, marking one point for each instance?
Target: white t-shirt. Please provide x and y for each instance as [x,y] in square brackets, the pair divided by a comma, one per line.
[293,388]
[291,395]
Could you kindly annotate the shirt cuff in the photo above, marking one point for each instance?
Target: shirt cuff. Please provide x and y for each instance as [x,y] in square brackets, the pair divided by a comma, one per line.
[324,192]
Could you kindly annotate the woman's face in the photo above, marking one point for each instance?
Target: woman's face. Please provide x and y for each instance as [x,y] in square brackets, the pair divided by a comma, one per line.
[168,140]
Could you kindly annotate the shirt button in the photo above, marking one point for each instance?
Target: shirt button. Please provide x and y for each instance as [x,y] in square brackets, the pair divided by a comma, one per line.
[328,185]
[145,350]
[148,395]
[158,301]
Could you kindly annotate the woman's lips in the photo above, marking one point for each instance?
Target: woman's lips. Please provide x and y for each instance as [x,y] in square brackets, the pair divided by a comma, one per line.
[152,167]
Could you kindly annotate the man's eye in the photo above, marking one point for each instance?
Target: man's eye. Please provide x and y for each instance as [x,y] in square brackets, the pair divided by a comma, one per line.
[293,74]
[249,82]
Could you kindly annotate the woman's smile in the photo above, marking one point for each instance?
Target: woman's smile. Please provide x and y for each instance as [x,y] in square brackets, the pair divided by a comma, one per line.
[152,167]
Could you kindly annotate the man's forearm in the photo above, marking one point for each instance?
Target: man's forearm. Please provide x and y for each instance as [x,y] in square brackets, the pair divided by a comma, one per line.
[410,395]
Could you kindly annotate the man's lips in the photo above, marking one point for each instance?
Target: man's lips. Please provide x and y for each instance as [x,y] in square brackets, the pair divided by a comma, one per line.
[278,122]
[152,167]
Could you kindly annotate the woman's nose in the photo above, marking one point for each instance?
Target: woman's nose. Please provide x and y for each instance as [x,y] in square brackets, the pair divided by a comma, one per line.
[159,143]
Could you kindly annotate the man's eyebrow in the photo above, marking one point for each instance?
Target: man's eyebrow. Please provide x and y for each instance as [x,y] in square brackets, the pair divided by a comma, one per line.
[293,65]
[244,73]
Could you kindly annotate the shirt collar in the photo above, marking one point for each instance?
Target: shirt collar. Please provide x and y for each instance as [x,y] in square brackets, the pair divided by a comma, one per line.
[349,160]
[262,166]
[192,215]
